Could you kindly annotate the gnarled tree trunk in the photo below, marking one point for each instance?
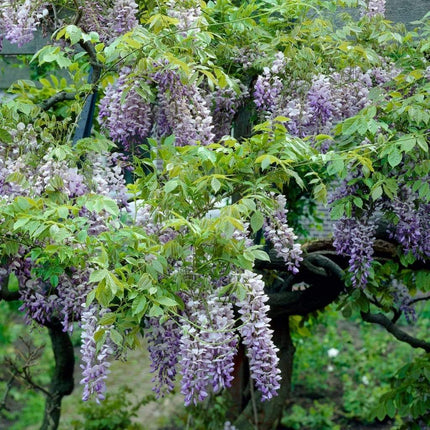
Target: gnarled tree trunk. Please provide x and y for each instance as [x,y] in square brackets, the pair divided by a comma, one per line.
[62,379]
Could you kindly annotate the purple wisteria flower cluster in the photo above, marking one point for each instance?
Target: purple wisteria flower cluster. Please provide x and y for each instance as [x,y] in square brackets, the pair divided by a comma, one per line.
[282,237]
[200,341]
[95,364]
[42,302]
[163,346]
[108,176]
[403,300]
[313,108]
[412,230]
[178,108]
[355,238]
[73,183]
[20,19]
[225,103]
[269,86]
[144,215]
[123,17]
[374,7]
[207,347]
[108,19]
[257,335]
[181,109]
[128,119]
[188,14]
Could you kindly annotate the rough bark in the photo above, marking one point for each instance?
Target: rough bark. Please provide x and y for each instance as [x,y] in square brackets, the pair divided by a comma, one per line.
[62,379]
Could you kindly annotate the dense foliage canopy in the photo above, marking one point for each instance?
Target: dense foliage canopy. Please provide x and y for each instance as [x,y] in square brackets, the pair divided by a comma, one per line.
[187,210]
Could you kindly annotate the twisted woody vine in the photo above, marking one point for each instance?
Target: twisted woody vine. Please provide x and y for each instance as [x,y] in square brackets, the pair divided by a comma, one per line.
[181,214]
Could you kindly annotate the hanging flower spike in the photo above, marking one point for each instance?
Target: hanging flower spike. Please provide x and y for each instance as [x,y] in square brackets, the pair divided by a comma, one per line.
[95,367]
[257,336]
[208,347]
[163,346]
[282,237]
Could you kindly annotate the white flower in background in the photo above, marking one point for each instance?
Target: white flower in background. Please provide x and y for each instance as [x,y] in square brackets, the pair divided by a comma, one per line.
[333,352]
[365,380]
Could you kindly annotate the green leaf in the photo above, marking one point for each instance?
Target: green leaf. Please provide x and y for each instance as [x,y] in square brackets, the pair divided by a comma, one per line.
[115,337]
[422,279]
[337,211]
[166,301]
[110,206]
[215,184]
[155,311]
[395,158]
[139,305]
[257,220]
[73,33]
[376,192]
[20,223]
[261,255]
[107,319]
[422,143]
[170,186]
[5,136]
[98,275]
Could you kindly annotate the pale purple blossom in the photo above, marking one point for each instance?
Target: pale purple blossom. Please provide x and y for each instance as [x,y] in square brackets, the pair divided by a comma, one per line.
[207,347]
[181,110]
[282,237]
[374,7]
[123,17]
[257,335]
[163,345]
[123,111]
[19,21]
[187,14]
[95,364]
[355,238]
[403,300]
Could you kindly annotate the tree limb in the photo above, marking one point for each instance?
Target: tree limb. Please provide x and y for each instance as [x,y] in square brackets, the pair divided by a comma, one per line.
[398,333]
[56,98]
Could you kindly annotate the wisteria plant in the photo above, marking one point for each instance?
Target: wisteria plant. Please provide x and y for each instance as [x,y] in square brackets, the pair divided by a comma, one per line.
[158,181]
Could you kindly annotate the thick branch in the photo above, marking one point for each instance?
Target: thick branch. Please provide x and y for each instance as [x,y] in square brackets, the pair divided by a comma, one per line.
[419,298]
[325,282]
[398,333]
[56,98]
[88,47]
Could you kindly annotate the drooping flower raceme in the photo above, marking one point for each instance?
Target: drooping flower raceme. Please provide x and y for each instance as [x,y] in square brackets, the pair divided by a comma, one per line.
[355,237]
[163,346]
[19,20]
[187,13]
[207,347]
[122,17]
[95,365]
[181,110]
[319,100]
[108,19]
[257,335]
[128,119]
[412,229]
[282,237]
[224,103]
